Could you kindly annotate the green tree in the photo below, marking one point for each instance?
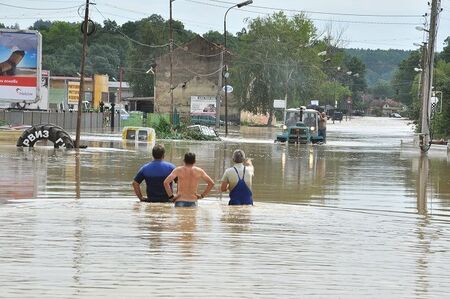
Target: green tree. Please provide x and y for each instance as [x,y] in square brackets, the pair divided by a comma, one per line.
[275,61]
[382,89]
[441,121]
[404,78]
[445,54]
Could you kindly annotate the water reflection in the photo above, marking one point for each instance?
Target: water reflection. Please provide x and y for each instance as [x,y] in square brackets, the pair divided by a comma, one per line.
[422,194]
[237,219]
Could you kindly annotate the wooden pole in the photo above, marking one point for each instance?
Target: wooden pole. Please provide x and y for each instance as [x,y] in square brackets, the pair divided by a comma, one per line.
[172,110]
[83,60]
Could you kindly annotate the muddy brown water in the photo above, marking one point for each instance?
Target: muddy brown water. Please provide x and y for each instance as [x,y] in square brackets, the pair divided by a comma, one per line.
[364,216]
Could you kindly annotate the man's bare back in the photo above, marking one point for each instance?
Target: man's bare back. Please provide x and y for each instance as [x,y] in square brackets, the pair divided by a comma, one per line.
[188,180]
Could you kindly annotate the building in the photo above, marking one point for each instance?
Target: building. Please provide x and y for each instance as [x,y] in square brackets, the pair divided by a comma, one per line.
[385,107]
[64,91]
[196,76]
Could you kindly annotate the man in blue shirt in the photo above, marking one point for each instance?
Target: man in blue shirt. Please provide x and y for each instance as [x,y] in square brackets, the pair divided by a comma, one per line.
[154,174]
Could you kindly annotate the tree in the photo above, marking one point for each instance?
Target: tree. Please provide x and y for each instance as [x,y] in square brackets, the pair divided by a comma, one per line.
[441,121]
[382,89]
[404,78]
[445,54]
[273,62]
[217,38]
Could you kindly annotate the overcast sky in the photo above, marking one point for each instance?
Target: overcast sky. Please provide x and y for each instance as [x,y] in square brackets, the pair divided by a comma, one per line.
[393,27]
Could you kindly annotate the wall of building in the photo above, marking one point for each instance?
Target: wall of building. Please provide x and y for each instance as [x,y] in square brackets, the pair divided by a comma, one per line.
[195,73]
[95,90]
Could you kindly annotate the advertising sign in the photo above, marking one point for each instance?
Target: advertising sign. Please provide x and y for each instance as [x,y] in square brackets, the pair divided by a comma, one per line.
[20,65]
[279,104]
[203,105]
[73,92]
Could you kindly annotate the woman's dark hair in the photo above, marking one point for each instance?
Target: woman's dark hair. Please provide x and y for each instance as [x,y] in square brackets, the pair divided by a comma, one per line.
[158,151]
[189,158]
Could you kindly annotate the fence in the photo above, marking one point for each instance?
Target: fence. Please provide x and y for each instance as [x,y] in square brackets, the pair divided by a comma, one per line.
[67,120]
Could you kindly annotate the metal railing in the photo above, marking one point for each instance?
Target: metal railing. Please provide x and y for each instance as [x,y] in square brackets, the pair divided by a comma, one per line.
[90,121]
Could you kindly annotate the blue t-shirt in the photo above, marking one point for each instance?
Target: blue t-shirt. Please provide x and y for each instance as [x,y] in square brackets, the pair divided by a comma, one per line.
[154,174]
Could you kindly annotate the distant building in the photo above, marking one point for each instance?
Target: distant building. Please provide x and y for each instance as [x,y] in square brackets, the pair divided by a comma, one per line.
[121,93]
[64,91]
[196,71]
[386,106]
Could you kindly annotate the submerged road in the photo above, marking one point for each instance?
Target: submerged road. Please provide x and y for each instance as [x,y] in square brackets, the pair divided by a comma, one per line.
[364,216]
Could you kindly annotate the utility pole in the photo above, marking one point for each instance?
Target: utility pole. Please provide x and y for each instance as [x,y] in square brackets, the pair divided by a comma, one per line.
[226,72]
[172,111]
[219,89]
[83,60]
[428,77]
[120,85]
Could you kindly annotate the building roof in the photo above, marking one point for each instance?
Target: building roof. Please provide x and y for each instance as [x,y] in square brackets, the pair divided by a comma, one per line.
[69,78]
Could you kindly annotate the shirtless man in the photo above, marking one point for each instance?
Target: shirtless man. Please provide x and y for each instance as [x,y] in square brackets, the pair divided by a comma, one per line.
[188,179]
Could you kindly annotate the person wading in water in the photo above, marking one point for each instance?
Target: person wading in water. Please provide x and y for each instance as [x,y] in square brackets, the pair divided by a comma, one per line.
[238,179]
[154,174]
[188,179]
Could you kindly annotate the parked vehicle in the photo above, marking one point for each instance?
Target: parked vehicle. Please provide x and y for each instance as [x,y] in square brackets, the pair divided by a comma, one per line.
[123,114]
[337,115]
[395,115]
[358,113]
[205,120]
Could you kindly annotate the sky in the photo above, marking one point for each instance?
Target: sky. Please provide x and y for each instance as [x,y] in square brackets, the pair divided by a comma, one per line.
[380,24]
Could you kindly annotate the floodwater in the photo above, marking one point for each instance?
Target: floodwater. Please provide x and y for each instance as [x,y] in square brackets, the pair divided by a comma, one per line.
[364,216]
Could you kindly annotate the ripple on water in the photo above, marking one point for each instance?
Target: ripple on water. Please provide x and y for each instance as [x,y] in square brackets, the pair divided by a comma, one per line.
[118,247]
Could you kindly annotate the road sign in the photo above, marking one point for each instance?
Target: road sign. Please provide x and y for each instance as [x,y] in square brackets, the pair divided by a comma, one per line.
[279,104]
[228,88]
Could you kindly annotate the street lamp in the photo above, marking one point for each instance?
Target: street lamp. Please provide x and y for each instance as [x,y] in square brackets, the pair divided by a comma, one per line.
[152,70]
[239,5]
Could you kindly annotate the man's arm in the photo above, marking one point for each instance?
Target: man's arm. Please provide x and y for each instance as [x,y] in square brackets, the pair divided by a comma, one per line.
[225,182]
[210,183]
[167,182]
[248,162]
[137,190]
[224,186]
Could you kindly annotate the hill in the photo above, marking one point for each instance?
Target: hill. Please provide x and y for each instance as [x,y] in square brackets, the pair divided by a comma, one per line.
[380,64]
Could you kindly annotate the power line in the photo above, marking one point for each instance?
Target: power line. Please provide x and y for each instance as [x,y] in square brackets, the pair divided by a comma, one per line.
[324,13]
[196,54]
[315,19]
[203,75]
[129,38]
[38,8]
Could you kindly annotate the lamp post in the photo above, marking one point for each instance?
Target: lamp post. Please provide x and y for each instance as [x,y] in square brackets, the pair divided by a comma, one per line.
[239,5]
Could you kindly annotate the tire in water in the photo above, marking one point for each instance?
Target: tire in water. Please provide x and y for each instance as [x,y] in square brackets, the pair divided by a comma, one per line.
[56,134]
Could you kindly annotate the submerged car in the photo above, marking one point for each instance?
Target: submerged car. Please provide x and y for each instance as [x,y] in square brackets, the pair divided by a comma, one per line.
[139,134]
[204,132]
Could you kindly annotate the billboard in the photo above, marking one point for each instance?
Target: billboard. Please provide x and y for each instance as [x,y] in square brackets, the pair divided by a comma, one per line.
[203,105]
[73,92]
[20,65]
